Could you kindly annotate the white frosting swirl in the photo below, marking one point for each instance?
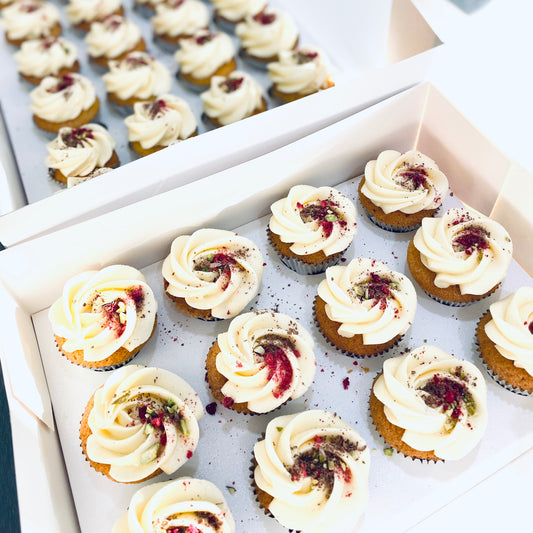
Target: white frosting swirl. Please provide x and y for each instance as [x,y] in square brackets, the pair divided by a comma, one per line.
[187,503]
[160,122]
[302,71]
[236,10]
[511,328]
[316,468]
[314,219]
[439,400]
[79,11]
[214,269]
[64,98]
[78,151]
[464,248]
[267,359]
[409,182]
[112,37]
[143,419]
[45,56]
[180,18]
[138,75]
[268,33]
[29,19]
[367,298]
[233,98]
[101,311]
[201,55]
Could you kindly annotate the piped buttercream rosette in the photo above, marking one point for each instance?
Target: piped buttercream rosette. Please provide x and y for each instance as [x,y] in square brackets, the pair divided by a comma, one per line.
[141,422]
[213,273]
[437,402]
[311,472]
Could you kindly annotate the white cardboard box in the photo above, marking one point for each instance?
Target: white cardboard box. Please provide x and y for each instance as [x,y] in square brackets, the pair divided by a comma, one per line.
[32,275]
[373,57]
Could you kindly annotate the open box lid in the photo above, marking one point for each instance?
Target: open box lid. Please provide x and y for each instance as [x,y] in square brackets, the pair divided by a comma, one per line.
[389,60]
[417,118]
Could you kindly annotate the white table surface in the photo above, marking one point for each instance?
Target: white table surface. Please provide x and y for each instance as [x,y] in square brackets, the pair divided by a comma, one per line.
[485,71]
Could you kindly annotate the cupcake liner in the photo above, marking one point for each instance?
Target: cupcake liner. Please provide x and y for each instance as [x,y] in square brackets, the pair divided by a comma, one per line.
[167,47]
[300,267]
[498,379]
[256,63]
[224,25]
[122,110]
[347,352]
[143,9]
[388,227]
[189,85]
[456,304]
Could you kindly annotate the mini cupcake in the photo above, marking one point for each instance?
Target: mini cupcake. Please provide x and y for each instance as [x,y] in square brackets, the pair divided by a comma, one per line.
[104,317]
[203,56]
[299,73]
[137,78]
[228,13]
[232,98]
[47,56]
[184,504]
[157,124]
[175,20]
[364,308]
[141,422]
[263,360]
[311,472]
[459,258]
[312,227]
[80,151]
[82,13]
[429,405]
[213,273]
[505,341]
[265,35]
[25,20]
[64,101]
[113,38]
[399,190]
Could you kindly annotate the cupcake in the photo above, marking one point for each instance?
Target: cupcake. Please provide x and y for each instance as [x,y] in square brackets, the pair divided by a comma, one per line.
[137,78]
[25,20]
[141,422]
[64,101]
[232,98]
[104,317]
[213,273]
[364,308]
[175,20]
[505,341]
[263,360]
[184,504]
[311,472]
[265,35]
[312,227]
[82,13]
[113,38]
[399,190]
[429,405]
[72,181]
[228,13]
[47,56]
[157,124]
[298,73]
[203,56]
[80,151]
[459,258]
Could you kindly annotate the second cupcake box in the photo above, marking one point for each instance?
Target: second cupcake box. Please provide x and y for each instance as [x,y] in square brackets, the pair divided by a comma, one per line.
[181,343]
[362,75]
